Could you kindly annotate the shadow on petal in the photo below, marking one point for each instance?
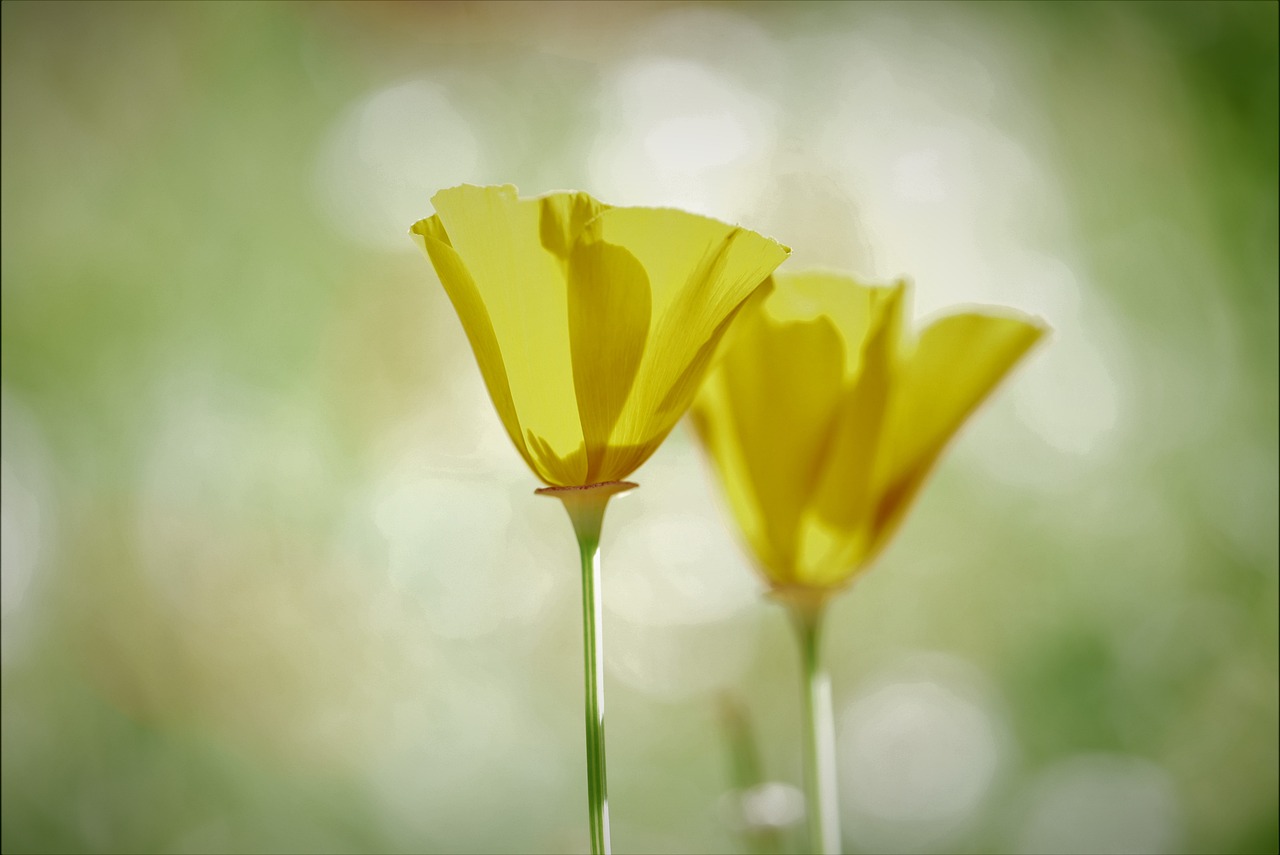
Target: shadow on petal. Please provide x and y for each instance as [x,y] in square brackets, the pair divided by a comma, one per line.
[609,310]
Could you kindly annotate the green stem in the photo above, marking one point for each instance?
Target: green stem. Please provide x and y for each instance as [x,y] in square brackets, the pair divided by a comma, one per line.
[819,733]
[593,673]
[586,506]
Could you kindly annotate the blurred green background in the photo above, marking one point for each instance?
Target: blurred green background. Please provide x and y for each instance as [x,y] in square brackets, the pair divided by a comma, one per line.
[274,580]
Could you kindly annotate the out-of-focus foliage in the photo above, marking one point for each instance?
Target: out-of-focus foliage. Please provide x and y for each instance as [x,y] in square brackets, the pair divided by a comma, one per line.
[274,579]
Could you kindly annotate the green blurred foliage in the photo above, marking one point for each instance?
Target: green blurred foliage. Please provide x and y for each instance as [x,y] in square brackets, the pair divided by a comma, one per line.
[212,383]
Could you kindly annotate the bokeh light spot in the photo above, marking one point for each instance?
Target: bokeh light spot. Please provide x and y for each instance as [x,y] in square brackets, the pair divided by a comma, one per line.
[1100,803]
[387,155]
[919,752]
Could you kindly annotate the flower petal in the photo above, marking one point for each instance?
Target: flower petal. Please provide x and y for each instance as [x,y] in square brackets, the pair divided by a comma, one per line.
[959,361]
[850,305]
[562,217]
[457,282]
[837,534]
[769,403]
[712,416]
[558,470]
[521,284]
[609,306]
[700,271]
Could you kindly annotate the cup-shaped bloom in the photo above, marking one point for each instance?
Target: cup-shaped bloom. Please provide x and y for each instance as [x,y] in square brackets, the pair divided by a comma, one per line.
[593,325]
[826,414]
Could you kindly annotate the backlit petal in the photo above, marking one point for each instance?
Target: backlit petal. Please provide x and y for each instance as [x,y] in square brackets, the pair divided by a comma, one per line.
[609,309]
[700,271]
[521,283]
[471,311]
[784,382]
[836,533]
[712,416]
[959,361]
[562,218]
[851,306]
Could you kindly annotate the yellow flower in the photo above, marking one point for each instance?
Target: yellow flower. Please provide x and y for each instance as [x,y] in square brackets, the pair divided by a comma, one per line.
[592,325]
[825,416]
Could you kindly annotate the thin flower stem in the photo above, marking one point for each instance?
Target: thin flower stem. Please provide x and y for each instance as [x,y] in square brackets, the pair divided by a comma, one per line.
[819,734]
[593,674]
[586,506]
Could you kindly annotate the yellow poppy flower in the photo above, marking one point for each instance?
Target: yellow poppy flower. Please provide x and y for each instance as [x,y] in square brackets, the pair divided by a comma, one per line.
[592,325]
[826,414]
